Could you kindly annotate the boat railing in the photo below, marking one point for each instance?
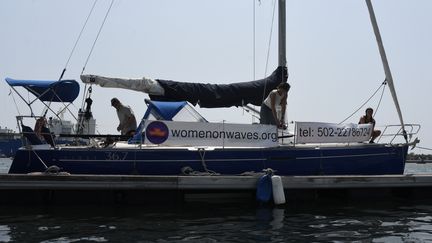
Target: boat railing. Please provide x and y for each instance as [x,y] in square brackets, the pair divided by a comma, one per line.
[393,132]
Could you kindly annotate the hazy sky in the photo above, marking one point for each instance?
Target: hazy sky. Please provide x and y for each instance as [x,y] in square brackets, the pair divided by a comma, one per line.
[333,60]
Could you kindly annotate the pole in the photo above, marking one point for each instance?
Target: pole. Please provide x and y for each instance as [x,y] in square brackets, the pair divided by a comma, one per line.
[386,66]
[282,34]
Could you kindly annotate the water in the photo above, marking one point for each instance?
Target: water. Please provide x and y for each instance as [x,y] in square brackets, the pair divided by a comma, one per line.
[388,221]
[5,164]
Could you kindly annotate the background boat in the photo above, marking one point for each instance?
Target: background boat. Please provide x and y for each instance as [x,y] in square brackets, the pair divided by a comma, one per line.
[11,141]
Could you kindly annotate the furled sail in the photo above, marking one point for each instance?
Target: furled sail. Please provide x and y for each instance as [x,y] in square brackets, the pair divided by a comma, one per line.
[206,95]
[145,85]
[221,95]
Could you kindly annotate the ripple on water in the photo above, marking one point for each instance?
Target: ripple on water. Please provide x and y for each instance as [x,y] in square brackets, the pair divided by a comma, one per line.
[5,233]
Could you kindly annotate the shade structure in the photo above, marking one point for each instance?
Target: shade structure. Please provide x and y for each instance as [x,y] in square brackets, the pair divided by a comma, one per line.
[49,90]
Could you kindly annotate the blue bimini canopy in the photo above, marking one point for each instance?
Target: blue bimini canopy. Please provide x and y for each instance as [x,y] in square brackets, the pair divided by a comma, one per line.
[161,110]
[47,90]
[164,110]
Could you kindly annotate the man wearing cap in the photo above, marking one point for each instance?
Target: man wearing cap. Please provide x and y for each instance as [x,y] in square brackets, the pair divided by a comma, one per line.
[126,117]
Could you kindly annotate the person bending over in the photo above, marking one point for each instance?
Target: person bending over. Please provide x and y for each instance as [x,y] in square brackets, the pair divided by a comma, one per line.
[276,98]
[126,117]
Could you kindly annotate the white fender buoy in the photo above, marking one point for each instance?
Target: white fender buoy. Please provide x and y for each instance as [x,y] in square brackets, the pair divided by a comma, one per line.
[278,190]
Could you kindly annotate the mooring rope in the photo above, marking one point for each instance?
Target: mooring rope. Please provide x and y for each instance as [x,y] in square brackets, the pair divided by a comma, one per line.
[202,155]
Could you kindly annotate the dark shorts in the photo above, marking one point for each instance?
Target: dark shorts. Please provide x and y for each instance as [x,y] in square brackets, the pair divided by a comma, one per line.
[266,115]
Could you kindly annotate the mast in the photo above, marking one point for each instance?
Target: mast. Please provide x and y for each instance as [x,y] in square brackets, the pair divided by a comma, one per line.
[282,34]
[386,66]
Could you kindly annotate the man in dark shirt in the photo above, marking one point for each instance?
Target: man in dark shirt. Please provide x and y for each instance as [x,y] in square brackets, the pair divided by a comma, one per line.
[369,119]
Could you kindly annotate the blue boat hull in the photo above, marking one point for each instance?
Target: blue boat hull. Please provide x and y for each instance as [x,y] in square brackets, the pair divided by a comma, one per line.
[9,147]
[355,160]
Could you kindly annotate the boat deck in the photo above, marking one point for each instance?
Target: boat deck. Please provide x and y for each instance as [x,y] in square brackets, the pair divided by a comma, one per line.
[65,189]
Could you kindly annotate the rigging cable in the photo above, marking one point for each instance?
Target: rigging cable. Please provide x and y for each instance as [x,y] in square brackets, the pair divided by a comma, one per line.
[247,107]
[364,103]
[254,40]
[379,102]
[92,48]
[97,36]
[16,105]
[270,38]
[87,92]
[77,40]
[268,49]
[253,51]
[430,149]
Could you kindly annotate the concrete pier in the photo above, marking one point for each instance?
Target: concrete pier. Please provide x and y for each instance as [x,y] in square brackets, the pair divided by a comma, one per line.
[106,189]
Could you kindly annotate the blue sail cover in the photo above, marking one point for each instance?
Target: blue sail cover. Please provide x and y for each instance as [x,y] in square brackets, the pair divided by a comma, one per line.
[48,90]
[222,95]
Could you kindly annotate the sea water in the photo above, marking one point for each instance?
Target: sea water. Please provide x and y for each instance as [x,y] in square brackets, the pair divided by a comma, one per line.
[330,221]
[5,164]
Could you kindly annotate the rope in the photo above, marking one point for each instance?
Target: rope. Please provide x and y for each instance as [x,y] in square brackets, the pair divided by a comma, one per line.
[77,40]
[253,47]
[430,149]
[270,38]
[202,155]
[253,40]
[84,96]
[97,36]
[87,93]
[268,49]
[364,103]
[16,105]
[379,102]
[190,172]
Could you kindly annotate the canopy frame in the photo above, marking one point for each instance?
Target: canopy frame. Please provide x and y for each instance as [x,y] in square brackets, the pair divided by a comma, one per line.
[49,91]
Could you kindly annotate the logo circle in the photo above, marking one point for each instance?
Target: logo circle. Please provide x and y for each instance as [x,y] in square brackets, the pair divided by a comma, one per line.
[157,132]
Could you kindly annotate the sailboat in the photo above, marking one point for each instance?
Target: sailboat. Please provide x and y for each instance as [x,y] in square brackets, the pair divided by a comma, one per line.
[173,138]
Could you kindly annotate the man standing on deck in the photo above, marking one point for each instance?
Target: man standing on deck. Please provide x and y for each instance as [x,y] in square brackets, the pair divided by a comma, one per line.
[126,117]
[276,98]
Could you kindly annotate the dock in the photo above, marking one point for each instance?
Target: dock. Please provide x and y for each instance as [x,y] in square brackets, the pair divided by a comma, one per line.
[138,189]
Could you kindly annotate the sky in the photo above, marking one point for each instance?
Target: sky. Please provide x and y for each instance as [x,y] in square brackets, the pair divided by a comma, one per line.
[332,56]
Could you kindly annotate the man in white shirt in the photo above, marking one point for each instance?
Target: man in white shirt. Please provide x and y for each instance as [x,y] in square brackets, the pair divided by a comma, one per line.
[126,117]
[276,98]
